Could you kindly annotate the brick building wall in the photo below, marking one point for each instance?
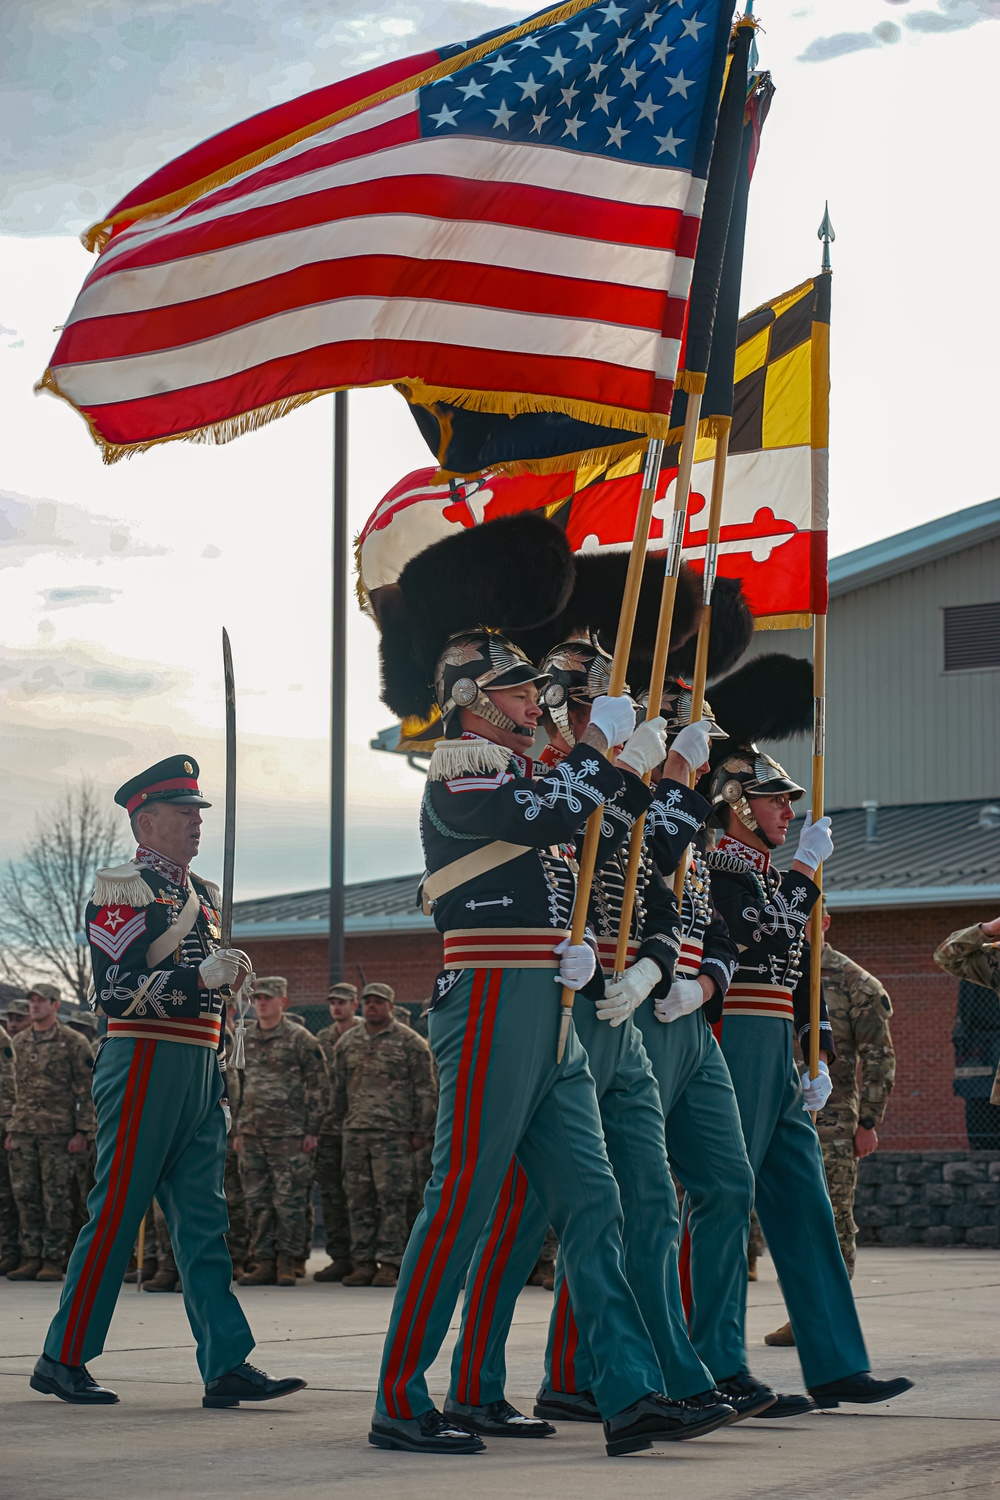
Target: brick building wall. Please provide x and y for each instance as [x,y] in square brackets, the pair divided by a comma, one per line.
[895,945]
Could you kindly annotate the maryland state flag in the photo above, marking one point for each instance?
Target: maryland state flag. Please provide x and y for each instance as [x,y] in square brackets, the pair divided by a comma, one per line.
[774,515]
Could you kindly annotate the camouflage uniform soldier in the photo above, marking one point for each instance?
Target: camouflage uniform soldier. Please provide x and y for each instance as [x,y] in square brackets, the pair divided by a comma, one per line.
[343,1002]
[53,1121]
[18,1017]
[10,1239]
[85,1023]
[286,1098]
[859,1011]
[238,1236]
[385,1099]
[972,954]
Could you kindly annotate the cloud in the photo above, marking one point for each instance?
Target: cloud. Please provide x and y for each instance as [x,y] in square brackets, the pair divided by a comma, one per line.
[83,593]
[101,92]
[953,15]
[823,48]
[78,673]
[30,527]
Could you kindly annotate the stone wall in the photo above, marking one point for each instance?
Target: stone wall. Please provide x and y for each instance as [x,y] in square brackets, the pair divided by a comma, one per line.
[929,1198]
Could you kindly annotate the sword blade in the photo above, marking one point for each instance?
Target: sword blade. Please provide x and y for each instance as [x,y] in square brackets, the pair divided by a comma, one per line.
[229,848]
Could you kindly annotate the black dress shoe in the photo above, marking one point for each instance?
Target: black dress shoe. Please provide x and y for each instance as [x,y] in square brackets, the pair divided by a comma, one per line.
[747,1396]
[861,1389]
[713,1400]
[656,1419]
[429,1433]
[787,1406]
[70,1383]
[566,1406]
[247,1383]
[497,1419]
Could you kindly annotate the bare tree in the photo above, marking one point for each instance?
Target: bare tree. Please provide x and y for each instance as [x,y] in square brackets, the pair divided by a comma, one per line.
[44,894]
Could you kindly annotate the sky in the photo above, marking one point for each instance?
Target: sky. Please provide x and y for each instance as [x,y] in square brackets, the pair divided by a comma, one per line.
[115,582]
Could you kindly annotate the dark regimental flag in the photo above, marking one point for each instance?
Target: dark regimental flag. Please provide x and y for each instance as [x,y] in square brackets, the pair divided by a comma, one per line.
[508,225]
[774,509]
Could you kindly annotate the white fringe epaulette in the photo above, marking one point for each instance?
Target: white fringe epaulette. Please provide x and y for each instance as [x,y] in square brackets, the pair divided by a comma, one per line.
[212,891]
[122,885]
[467,758]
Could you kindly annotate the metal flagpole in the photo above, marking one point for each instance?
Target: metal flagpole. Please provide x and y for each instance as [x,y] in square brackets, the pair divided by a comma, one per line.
[338,688]
[820,384]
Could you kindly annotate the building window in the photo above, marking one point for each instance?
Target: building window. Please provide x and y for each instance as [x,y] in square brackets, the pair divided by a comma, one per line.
[971,637]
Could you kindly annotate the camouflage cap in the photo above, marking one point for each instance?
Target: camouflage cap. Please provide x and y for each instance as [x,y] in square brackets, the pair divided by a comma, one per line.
[17,1008]
[343,991]
[85,1019]
[275,984]
[46,991]
[379,992]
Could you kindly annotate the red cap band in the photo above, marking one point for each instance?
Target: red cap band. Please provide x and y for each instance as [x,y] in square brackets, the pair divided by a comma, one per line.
[175,784]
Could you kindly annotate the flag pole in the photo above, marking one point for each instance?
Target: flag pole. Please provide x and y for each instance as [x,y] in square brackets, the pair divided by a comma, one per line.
[623,645]
[705,624]
[820,398]
[661,650]
[338,690]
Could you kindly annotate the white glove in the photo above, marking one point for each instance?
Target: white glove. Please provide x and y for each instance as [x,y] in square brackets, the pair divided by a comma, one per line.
[614,717]
[227,1114]
[683,997]
[576,963]
[693,743]
[222,968]
[816,1091]
[646,748]
[815,842]
[626,994]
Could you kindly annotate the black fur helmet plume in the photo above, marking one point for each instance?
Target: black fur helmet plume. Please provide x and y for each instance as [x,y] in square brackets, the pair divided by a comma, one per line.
[769,698]
[509,574]
[731,633]
[594,606]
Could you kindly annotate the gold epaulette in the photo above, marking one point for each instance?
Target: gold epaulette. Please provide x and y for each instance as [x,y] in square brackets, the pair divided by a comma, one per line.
[122,885]
[467,758]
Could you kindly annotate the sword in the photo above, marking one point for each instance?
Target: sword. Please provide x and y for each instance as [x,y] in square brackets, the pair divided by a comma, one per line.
[229,847]
[229,850]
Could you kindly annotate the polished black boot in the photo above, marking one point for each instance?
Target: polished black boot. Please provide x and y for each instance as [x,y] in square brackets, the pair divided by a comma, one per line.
[247,1383]
[70,1383]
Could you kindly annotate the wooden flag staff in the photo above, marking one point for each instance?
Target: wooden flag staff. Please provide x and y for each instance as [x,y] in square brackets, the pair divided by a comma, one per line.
[705,624]
[820,372]
[623,645]
[661,649]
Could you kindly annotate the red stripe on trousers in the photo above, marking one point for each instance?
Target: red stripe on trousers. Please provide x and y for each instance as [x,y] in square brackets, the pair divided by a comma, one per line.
[559,1337]
[470,1088]
[489,1301]
[116,1195]
[486,1266]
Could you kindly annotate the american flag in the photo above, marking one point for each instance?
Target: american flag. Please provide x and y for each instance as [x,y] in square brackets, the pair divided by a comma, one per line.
[510,227]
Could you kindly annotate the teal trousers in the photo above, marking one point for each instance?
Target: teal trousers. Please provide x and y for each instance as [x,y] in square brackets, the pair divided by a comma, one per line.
[501,1092]
[159,1131]
[792,1200]
[707,1152]
[633,1130]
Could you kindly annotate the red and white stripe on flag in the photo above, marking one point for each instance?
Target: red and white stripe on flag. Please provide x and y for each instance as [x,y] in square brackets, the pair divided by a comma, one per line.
[514,268]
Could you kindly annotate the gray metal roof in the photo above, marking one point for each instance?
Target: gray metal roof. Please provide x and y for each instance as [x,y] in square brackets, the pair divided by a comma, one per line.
[945,852]
[911,549]
[942,853]
[370,906]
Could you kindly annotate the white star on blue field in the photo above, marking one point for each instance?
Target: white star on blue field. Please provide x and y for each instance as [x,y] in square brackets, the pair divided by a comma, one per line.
[615,80]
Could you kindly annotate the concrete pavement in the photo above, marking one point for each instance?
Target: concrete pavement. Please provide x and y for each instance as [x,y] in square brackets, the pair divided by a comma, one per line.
[933,1315]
